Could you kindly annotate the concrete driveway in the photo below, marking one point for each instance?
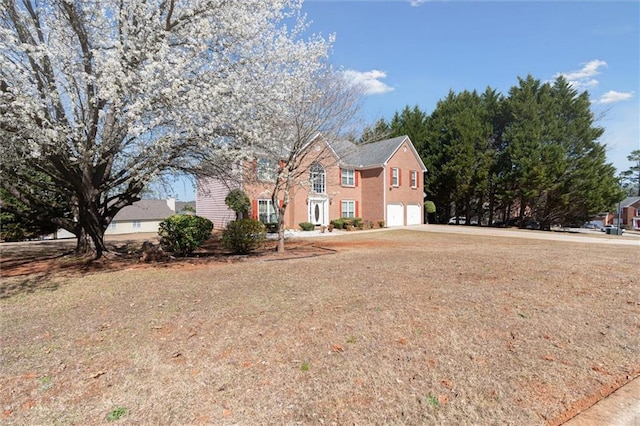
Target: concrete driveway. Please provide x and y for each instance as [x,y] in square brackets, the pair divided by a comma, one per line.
[591,237]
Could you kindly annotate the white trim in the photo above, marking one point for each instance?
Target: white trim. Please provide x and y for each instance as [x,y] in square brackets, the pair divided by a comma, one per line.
[353,203]
[353,177]
[385,174]
[322,201]
[413,173]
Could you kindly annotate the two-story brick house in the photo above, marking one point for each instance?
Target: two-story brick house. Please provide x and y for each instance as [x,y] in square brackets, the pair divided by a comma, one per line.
[378,181]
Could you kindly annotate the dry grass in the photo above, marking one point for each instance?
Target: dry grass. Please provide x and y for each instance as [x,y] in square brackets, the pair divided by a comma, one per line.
[396,327]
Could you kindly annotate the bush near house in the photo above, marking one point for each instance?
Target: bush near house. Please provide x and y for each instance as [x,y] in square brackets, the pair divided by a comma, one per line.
[348,223]
[307,226]
[338,223]
[244,236]
[182,234]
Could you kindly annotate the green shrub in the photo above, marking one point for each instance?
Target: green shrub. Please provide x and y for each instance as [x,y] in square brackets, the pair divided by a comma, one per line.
[239,202]
[358,222]
[307,226]
[182,234]
[244,236]
[338,223]
[430,206]
[381,223]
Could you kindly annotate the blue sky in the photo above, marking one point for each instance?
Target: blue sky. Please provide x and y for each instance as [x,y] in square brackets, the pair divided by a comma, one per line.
[413,52]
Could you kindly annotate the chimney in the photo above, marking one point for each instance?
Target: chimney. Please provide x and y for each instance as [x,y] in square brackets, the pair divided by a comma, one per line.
[171,202]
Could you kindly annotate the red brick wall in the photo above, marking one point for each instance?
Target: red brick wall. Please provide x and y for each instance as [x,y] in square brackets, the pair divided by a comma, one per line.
[372,190]
[405,160]
[372,182]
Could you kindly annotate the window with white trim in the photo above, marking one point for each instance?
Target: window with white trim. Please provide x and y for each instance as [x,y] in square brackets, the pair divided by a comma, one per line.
[112,225]
[348,177]
[266,212]
[414,179]
[137,224]
[317,178]
[395,176]
[348,208]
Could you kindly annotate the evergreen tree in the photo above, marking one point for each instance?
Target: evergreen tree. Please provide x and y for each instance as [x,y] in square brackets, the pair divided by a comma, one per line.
[411,122]
[535,152]
[630,178]
[526,137]
[380,130]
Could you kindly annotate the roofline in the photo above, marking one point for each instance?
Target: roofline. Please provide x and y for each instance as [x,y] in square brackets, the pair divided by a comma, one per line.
[413,148]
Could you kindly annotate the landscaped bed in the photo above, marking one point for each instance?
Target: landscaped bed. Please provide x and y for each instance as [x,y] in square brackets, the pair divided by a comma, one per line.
[389,327]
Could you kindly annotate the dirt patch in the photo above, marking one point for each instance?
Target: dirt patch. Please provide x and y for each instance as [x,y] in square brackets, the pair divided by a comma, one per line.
[56,257]
[395,327]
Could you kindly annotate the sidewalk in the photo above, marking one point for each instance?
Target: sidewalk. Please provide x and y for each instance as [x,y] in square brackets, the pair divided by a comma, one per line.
[621,408]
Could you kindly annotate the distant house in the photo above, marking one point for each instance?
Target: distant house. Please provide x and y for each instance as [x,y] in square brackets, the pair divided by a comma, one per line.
[378,182]
[630,212]
[141,216]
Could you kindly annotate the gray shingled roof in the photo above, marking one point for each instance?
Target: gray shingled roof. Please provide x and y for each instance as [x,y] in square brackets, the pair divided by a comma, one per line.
[628,201]
[145,210]
[372,154]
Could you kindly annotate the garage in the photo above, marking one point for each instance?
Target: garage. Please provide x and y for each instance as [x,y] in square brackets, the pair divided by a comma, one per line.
[395,215]
[414,216]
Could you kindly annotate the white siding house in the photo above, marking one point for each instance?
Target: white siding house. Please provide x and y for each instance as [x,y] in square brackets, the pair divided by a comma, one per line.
[141,216]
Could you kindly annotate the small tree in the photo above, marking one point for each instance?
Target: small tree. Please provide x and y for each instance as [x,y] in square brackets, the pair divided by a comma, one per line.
[430,208]
[182,234]
[238,201]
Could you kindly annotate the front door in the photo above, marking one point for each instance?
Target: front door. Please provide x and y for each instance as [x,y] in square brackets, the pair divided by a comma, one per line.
[317,212]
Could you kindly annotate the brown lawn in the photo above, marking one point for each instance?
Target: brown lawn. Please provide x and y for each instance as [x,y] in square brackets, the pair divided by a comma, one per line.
[393,327]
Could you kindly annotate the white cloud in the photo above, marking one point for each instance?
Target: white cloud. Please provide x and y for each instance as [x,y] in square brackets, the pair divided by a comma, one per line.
[612,97]
[416,3]
[583,78]
[369,81]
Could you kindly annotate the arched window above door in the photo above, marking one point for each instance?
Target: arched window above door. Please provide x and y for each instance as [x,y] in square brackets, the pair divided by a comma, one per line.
[318,178]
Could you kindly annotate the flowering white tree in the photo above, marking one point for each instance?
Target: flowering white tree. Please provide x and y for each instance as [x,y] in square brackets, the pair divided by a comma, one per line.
[100,97]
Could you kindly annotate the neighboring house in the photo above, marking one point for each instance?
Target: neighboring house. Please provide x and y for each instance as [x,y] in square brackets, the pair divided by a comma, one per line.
[378,181]
[141,216]
[630,212]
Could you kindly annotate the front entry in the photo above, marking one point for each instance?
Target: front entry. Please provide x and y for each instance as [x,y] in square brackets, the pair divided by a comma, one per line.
[318,211]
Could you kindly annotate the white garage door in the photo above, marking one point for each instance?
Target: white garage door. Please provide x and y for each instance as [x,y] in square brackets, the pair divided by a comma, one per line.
[395,216]
[413,214]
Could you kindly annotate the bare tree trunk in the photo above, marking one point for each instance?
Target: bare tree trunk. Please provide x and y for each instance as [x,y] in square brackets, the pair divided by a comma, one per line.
[523,206]
[280,246]
[90,234]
